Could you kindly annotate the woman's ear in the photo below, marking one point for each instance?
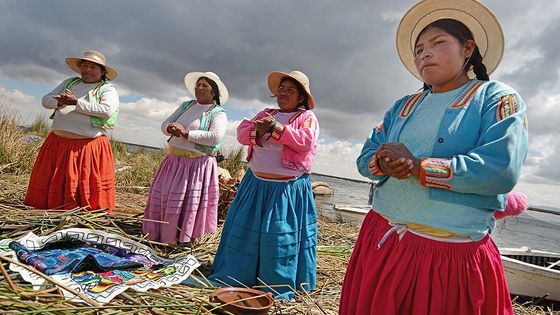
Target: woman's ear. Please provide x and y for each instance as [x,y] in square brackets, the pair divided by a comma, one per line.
[468,48]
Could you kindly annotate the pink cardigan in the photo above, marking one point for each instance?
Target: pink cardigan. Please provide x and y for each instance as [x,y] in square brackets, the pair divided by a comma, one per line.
[298,137]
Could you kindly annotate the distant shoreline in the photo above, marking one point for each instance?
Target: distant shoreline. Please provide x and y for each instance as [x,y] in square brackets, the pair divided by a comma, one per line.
[151,148]
[344,178]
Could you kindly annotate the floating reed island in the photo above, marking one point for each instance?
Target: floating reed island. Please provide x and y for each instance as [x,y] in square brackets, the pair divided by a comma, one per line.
[18,148]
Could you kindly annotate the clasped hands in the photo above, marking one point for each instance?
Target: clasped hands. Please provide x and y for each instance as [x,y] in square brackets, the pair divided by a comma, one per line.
[264,125]
[397,161]
[66,97]
[177,130]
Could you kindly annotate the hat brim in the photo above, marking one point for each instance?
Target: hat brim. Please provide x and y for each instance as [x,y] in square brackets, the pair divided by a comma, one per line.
[484,25]
[192,77]
[274,79]
[73,63]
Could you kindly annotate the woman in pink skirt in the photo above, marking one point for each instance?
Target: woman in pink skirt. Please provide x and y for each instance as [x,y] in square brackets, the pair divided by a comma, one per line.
[183,201]
[444,159]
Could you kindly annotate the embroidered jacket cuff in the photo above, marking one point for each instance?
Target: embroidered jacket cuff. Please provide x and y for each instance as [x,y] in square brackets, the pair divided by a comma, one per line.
[253,136]
[373,166]
[435,172]
[277,131]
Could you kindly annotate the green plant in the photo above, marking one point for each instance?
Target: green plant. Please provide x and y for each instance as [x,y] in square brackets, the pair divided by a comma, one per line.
[16,156]
[234,160]
[39,127]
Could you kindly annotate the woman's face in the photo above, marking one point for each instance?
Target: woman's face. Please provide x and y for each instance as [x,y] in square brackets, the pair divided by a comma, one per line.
[203,92]
[440,58]
[90,71]
[288,96]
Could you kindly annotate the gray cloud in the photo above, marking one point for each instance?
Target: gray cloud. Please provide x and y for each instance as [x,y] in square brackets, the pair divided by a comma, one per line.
[346,48]
[342,47]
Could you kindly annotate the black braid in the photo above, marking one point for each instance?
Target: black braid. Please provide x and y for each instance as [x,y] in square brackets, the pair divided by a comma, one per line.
[478,67]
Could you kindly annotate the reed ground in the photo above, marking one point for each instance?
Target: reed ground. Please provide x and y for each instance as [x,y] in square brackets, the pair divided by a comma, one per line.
[18,149]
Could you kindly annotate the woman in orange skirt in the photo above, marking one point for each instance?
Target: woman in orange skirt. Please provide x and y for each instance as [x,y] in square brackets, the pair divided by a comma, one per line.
[75,166]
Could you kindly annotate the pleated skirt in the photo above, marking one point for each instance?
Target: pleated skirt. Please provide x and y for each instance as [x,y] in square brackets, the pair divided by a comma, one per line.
[269,237]
[70,173]
[417,275]
[183,200]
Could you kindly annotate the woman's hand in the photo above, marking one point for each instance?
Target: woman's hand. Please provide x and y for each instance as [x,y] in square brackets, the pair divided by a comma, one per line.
[177,130]
[67,97]
[265,124]
[397,161]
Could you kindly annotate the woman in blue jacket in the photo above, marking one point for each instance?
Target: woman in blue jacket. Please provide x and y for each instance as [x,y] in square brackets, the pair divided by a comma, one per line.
[445,159]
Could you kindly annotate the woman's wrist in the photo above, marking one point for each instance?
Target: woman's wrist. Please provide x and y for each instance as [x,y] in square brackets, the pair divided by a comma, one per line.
[271,129]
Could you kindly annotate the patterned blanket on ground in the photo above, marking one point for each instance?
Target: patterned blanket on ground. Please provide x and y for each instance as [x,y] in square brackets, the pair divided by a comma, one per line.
[96,263]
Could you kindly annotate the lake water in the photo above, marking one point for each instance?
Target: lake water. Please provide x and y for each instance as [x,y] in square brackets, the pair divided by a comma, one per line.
[533,229]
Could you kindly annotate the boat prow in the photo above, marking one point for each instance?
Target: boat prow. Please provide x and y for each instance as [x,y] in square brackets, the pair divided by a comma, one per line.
[352,213]
[532,273]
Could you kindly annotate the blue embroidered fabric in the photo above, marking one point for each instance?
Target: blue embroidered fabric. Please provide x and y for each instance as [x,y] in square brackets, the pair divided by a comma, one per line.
[76,256]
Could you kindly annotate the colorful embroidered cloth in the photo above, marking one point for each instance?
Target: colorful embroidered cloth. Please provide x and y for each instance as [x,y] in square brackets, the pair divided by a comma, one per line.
[72,256]
[96,263]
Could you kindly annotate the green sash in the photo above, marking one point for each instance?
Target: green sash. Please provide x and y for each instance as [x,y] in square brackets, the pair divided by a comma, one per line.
[205,122]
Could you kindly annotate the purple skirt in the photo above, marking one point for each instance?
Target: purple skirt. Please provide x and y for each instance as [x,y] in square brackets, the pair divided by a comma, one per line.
[184,199]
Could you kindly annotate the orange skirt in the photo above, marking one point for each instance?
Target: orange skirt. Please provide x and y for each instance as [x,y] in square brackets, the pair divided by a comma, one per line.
[70,173]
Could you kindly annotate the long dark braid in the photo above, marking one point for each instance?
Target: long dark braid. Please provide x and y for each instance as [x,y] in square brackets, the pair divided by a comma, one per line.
[462,33]
[478,67]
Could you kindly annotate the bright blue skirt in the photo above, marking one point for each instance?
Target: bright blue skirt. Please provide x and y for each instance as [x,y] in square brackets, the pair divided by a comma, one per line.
[270,232]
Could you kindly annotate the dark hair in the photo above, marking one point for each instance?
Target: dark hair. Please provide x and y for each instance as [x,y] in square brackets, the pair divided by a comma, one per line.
[300,89]
[214,88]
[462,33]
[103,70]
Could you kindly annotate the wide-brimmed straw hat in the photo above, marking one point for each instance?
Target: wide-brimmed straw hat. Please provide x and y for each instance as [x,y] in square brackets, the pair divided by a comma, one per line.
[95,57]
[275,77]
[483,24]
[192,77]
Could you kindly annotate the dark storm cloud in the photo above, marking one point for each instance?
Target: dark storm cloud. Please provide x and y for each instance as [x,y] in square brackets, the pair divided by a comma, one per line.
[343,47]
[346,48]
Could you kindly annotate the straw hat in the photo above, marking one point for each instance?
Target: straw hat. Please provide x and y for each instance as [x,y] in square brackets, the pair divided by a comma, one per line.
[274,79]
[93,56]
[476,16]
[192,77]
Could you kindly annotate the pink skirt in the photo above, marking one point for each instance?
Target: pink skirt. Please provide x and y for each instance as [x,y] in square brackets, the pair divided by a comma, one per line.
[416,275]
[184,199]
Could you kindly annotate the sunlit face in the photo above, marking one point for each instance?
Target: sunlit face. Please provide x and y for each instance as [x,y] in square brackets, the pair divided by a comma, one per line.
[90,71]
[439,58]
[288,96]
[203,92]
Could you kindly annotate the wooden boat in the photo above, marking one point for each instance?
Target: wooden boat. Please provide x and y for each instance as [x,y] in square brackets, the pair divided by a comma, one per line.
[351,213]
[532,273]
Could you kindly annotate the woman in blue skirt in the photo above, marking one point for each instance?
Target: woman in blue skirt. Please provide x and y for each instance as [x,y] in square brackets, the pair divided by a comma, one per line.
[270,234]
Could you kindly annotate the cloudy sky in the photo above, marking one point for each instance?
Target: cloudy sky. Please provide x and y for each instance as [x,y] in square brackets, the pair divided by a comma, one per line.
[347,48]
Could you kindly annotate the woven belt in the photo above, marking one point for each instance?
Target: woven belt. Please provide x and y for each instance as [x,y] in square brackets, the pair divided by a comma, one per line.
[183,153]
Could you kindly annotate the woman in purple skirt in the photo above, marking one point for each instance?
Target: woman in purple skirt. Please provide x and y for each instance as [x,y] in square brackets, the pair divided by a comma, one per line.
[183,201]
